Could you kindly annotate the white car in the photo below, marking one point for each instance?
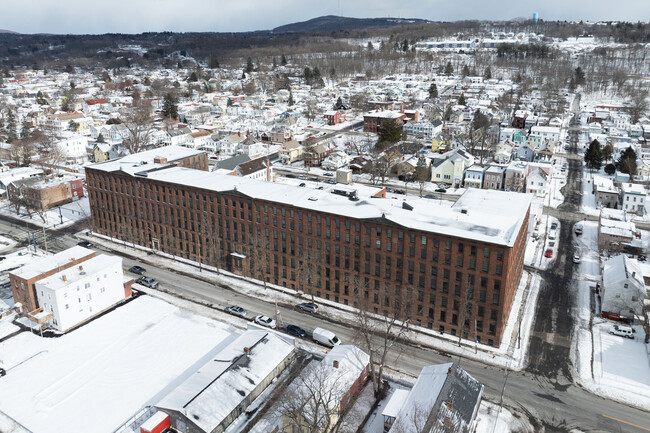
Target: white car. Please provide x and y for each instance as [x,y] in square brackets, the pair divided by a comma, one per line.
[265,321]
[622,330]
[576,258]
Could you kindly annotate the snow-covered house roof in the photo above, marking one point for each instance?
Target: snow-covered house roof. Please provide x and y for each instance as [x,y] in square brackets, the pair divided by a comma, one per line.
[217,388]
[46,264]
[444,398]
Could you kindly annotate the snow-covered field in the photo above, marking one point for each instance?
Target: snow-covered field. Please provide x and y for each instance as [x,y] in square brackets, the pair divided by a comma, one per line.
[110,367]
[57,217]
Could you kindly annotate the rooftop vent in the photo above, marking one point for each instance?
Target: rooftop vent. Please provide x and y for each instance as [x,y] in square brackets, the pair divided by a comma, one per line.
[335,364]
[406,206]
[463,210]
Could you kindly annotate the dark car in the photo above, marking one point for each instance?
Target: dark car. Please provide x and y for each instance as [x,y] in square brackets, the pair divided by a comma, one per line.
[2,258]
[85,244]
[328,174]
[332,181]
[302,184]
[399,191]
[147,282]
[137,270]
[309,307]
[290,176]
[441,190]
[296,331]
[430,196]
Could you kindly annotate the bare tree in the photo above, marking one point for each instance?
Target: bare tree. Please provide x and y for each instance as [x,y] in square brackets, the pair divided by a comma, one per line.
[312,403]
[261,257]
[378,333]
[139,125]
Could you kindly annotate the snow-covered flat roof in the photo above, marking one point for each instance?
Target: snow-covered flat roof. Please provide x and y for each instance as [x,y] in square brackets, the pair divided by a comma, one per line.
[48,263]
[209,395]
[145,160]
[395,403]
[491,216]
[75,273]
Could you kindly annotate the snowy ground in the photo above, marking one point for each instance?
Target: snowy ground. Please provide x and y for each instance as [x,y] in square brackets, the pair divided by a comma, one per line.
[6,243]
[57,217]
[607,365]
[110,367]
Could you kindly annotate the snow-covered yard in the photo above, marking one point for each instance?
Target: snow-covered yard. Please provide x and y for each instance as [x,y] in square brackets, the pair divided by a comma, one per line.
[56,217]
[111,367]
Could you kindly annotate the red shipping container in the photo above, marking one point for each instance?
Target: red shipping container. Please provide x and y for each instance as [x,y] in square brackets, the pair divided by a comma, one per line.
[156,424]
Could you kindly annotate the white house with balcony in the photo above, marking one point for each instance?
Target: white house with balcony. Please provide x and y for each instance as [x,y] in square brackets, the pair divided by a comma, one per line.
[633,198]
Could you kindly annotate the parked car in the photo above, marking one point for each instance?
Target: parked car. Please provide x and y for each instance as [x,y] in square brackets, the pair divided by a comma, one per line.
[325,337]
[137,270]
[303,184]
[430,196]
[548,253]
[236,310]
[85,244]
[622,330]
[2,258]
[578,229]
[147,282]
[309,307]
[328,174]
[290,176]
[296,331]
[331,181]
[576,257]
[553,226]
[552,234]
[441,190]
[265,321]
[302,177]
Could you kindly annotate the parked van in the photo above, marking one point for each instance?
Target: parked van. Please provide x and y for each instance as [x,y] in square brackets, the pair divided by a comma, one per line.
[622,330]
[578,229]
[325,337]
[552,234]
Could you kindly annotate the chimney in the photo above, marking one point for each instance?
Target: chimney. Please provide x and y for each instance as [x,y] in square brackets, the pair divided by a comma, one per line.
[239,133]
[81,268]
[449,370]
[450,405]
[64,278]
[247,351]
[335,364]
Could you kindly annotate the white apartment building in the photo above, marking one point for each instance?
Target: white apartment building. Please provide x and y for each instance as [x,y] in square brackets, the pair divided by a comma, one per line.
[80,292]
[74,146]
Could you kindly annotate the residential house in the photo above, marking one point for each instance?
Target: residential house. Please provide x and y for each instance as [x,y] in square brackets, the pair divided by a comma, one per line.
[96,106]
[16,174]
[74,146]
[102,282]
[233,162]
[218,392]
[445,398]
[547,133]
[519,137]
[318,153]
[440,143]
[338,378]
[515,176]
[333,117]
[494,177]
[633,198]
[606,193]
[60,122]
[373,121]
[106,152]
[278,134]
[503,153]
[291,151]
[615,231]
[474,176]
[423,129]
[335,161]
[544,152]
[177,137]
[623,288]
[198,140]
[450,167]
[231,144]
[525,152]
[259,168]
[537,182]
[407,166]
[35,194]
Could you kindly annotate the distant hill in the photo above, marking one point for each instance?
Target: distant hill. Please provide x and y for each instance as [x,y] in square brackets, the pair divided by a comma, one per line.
[333,23]
[8,31]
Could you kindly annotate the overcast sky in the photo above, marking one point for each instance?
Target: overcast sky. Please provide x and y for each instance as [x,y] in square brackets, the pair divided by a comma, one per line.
[136,16]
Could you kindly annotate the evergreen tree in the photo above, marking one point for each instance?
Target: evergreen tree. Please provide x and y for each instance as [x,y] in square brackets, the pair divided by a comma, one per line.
[308,75]
[283,60]
[100,138]
[405,45]
[449,69]
[193,78]
[339,102]
[390,132]
[627,162]
[465,71]
[214,63]
[290,102]
[433,91]
[608,151]
[594,156]
[488,73]
[461,99]
[12,135]
[579,76]
[243,75]
[610,169]
[370,47]
[249,65]
[27,126]
[170,109]
[421,173]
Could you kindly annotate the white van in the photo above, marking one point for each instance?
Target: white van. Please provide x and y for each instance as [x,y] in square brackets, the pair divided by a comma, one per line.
[552,234]
[325,337]
[622,330]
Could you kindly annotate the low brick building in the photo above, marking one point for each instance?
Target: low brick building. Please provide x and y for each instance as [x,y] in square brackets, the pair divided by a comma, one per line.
[45,193]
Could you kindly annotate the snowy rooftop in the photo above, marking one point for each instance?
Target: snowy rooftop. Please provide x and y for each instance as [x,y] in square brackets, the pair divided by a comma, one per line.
[145,160]
[633,188]
[209,395]
[490,216]
[395,403]
[75,273]
[48,263]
